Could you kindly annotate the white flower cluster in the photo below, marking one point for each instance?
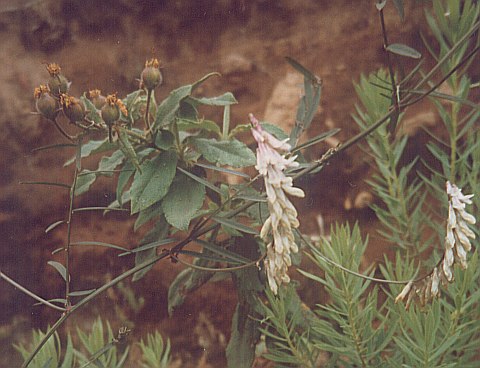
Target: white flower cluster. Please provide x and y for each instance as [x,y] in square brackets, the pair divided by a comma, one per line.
[283,215]
[457,244]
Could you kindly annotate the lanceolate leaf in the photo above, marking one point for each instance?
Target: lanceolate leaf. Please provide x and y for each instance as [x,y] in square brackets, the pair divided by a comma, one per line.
[183,200]
[235,225]
[233,153]
[60,268]
[153,183]
[404,50]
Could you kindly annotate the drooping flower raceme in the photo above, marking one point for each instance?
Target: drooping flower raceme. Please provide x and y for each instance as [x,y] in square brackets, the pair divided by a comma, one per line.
[457,244]
[277,231]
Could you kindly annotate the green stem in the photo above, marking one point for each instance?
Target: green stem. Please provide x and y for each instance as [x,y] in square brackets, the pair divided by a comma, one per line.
[69,233]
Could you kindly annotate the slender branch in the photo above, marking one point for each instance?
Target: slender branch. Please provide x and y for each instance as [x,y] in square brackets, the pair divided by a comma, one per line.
[69,234]
[444,78]
[389,61]
[29,293]
[147,112]
[71,138]
[226,269]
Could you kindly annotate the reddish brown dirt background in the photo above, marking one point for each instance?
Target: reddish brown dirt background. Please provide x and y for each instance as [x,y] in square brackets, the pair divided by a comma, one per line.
[104,44]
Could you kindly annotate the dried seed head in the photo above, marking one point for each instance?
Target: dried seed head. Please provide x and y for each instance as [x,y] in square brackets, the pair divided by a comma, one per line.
[97,98]
[110,112]
[151,76]
[46,104]
[72,107]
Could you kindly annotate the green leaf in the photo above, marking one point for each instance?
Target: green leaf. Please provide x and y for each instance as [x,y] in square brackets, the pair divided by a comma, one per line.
[404,50]
[274,130]
[81,292]
[84,182]
[241,347]
[153,183]
[233,153]
[92,113]
[380,4]
[123,179]
[234,225]
[183,200]
[60,268]
[208,125]
[223,100]
[147,214]
[93,147]
[400,8]
[224,170]
[53,226]
[187,282]
[169,107]
[154,236]
[109,163]
[127,148]
[164,139]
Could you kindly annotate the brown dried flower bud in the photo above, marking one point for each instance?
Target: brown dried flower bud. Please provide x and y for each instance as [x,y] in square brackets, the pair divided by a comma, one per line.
[110,111]
[97,98]
[46,104]
[151,76]
[72,107]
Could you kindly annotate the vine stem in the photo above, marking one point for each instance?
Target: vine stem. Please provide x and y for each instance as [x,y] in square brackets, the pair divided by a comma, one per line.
[29,293]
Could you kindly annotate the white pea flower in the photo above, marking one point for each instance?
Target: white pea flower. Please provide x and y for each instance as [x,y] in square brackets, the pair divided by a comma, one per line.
[457,244]
[271,164]
[457,240]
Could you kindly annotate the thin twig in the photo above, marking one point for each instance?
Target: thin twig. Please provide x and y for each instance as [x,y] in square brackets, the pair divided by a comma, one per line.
[225,269]
[71,138]
[29,293]
[389,61]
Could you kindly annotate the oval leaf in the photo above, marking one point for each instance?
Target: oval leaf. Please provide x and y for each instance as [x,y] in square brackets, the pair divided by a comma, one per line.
[153,183]
[184,199]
